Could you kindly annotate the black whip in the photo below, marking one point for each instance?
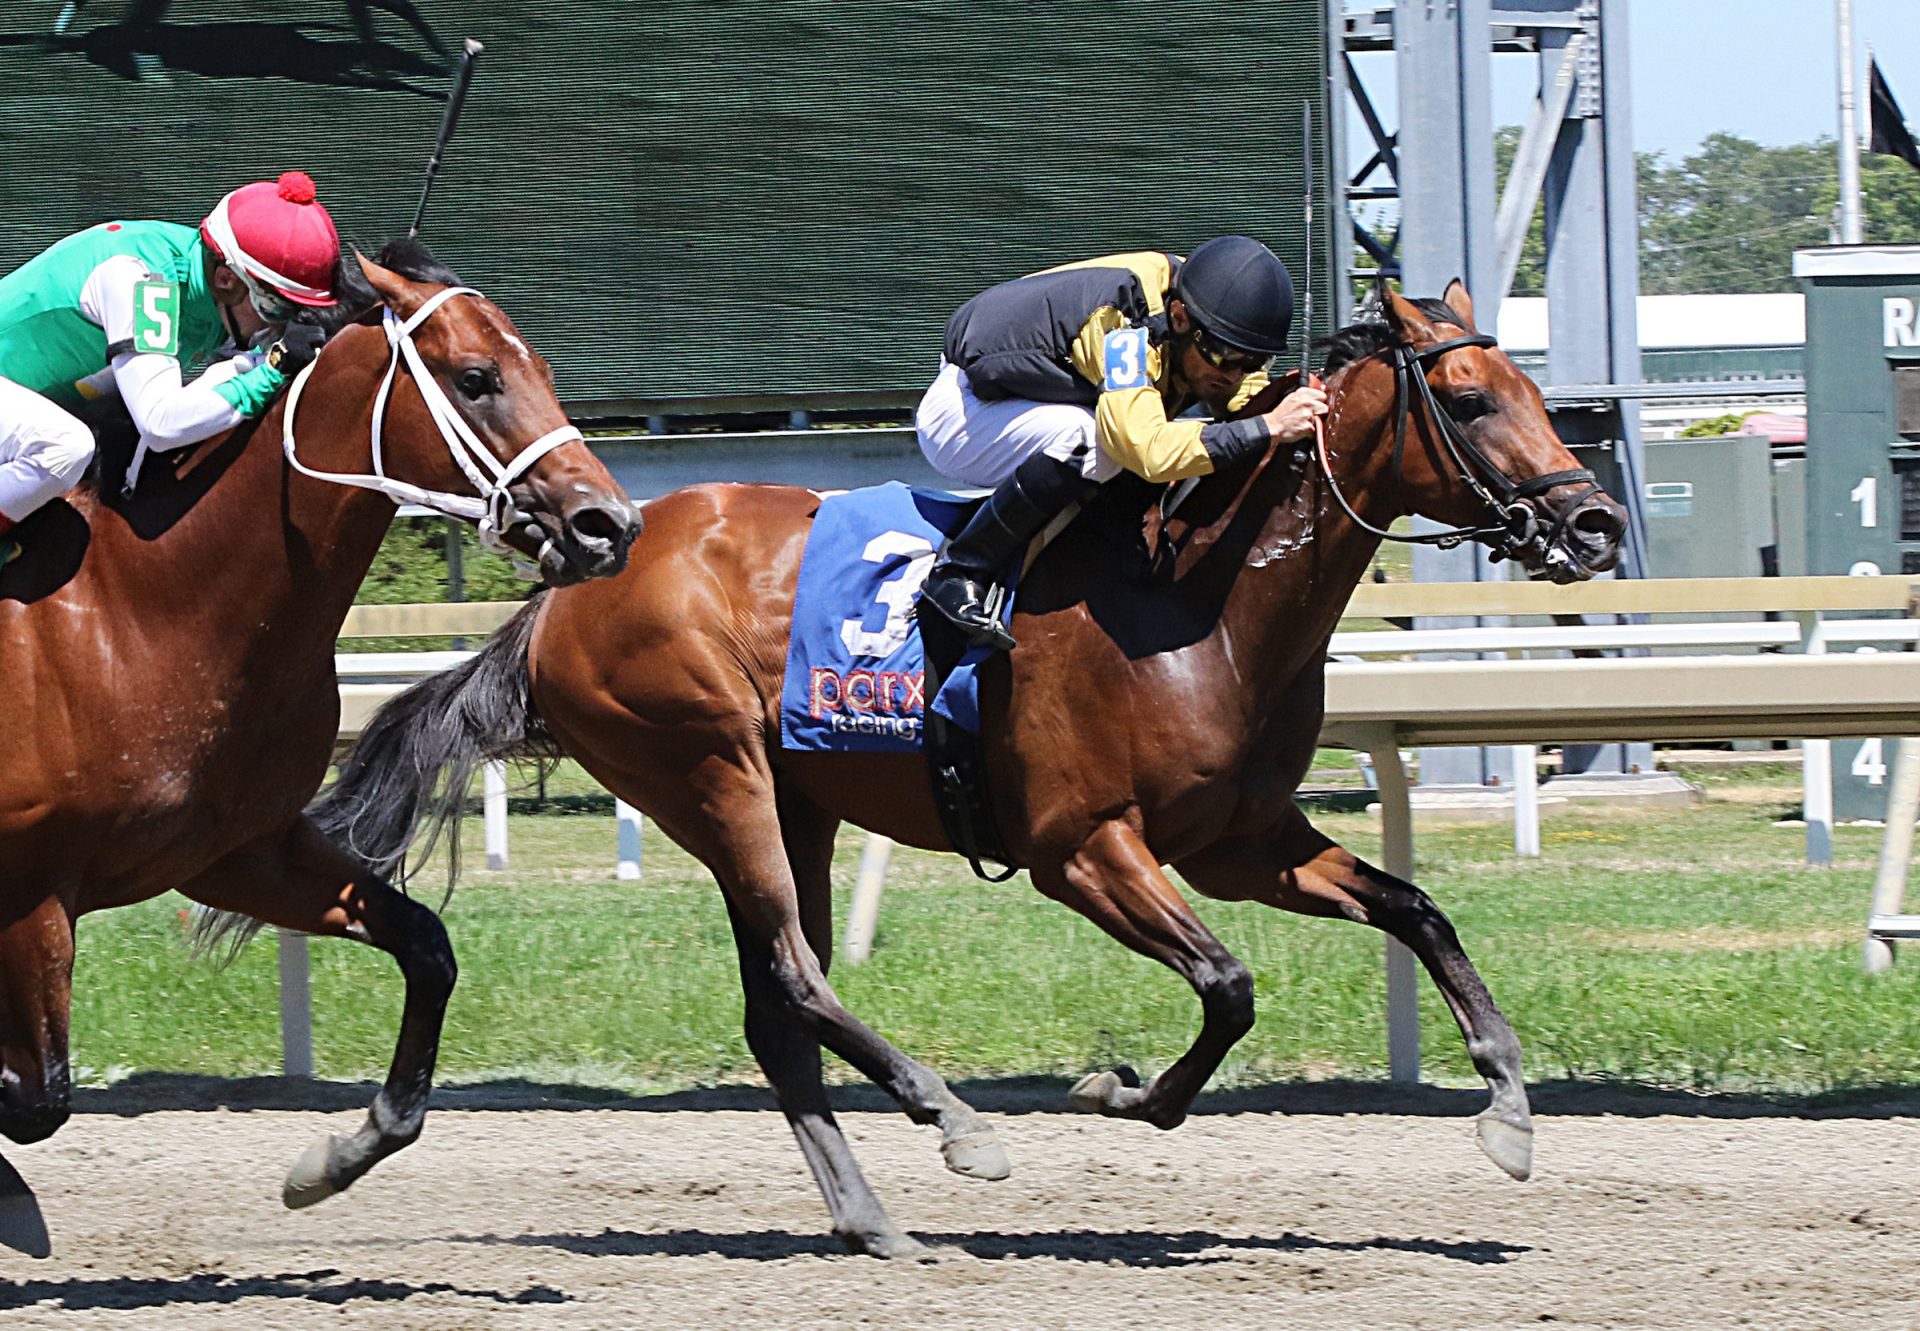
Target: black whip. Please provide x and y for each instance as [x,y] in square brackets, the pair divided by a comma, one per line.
[1306,271]
[448,122]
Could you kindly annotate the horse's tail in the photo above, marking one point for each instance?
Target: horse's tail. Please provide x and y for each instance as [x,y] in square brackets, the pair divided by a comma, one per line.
[412,765]
[410,769]
[408,774]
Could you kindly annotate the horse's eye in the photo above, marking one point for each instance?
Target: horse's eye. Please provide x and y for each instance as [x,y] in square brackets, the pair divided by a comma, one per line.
[476,383]
[1470,407]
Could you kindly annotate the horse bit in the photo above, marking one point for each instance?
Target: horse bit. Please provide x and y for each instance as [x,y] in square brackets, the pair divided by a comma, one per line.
[493,508]
[1516,530]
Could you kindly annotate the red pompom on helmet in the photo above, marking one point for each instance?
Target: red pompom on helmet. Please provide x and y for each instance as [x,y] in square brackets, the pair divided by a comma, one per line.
[277,234]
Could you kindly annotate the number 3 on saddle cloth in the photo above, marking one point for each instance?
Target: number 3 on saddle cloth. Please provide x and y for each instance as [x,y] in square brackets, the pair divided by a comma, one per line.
[856,677]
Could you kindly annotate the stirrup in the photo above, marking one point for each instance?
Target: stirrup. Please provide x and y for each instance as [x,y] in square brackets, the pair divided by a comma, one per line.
[976,616]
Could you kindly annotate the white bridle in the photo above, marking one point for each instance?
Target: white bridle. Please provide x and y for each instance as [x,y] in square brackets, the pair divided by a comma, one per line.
[490,507]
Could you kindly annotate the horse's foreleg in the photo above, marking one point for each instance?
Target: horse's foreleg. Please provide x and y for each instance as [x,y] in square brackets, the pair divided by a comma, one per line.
[790,1055]
[36,989]
[1114,880]
[1301,870]
[299,880]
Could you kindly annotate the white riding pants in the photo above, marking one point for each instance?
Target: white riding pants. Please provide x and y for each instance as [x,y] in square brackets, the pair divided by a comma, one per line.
[44,450]
[981,443]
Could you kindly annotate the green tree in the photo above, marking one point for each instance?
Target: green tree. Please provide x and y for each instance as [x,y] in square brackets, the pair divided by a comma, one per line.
[1716,425]
[1530,278]
[1889,200]
[1729,216]
[412,567]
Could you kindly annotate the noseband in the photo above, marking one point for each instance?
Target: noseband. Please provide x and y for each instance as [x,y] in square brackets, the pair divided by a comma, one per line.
[1515,529]
[490,506]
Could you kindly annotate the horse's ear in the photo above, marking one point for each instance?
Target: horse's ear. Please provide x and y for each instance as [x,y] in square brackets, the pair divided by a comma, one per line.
[1404,317]
[397,293]
[1456,299]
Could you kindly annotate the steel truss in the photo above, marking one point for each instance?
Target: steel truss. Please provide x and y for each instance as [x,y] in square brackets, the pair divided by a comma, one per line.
[1576,155]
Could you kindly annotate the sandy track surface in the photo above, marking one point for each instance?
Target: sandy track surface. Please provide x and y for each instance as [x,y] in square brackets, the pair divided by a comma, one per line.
[1334,1208]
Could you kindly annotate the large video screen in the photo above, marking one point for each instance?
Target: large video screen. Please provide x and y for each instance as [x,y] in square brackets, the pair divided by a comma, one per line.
[687,202]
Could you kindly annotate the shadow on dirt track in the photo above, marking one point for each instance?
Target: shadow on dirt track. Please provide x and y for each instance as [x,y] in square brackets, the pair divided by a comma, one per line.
[1132,1248]
[157,1092]
[324,1286]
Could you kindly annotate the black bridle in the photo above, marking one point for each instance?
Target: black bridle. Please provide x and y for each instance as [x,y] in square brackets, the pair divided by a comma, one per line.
[1515,530]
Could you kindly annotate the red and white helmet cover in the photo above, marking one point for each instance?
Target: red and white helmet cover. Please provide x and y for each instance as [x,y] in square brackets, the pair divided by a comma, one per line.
[277,233]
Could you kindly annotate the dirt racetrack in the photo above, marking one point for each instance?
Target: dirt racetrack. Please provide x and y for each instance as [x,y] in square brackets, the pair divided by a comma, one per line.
[1335,1207]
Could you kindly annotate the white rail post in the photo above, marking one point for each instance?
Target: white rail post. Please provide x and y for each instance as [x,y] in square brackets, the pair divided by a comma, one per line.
[493,782]
[1816,776]
[296,1006]
[1896,850]
[1526,800]
[628,821]
[1816,798]
[1396,830]
[863,917]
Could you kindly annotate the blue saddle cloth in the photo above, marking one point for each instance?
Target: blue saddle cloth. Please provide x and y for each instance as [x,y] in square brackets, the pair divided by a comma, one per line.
[856,670]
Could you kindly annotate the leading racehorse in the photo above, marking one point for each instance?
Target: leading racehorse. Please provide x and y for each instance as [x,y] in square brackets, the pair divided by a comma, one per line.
[1161,708]
[169,662]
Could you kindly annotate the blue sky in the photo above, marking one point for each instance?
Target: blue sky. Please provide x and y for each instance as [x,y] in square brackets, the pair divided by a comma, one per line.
[1764,69]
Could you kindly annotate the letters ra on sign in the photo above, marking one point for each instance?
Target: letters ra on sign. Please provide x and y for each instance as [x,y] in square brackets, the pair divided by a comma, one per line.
[1897,318]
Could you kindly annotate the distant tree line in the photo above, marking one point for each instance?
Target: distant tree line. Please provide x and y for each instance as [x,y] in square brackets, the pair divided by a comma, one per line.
[1728,217]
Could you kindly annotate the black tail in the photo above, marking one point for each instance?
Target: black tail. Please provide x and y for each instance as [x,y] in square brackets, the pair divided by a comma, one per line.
[410,769]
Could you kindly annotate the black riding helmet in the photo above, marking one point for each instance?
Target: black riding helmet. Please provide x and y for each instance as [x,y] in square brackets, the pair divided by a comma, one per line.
[1239,291]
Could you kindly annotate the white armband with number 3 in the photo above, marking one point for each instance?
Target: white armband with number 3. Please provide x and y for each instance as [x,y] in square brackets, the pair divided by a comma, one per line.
[1124,355]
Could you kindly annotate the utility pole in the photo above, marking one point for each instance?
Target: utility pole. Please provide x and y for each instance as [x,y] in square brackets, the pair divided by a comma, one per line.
[1850,227]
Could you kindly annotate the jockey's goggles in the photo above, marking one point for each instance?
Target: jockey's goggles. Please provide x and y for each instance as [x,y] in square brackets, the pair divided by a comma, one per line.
[267,303]
[1222,356]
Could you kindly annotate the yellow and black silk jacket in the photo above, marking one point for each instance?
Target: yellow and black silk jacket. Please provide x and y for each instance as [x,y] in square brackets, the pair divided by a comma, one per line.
[1096,333]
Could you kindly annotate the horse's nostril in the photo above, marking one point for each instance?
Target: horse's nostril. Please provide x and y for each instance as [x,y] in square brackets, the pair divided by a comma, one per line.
[1599,520]
[599,526]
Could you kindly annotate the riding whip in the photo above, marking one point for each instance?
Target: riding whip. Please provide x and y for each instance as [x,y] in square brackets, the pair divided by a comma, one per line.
[1306,267]
[448,122]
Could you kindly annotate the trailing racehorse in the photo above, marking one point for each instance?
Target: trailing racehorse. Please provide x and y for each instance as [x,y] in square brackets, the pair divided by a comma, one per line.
[1161,708]
[169,658]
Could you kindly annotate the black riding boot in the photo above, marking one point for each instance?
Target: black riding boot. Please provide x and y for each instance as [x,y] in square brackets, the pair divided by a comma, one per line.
[958,588]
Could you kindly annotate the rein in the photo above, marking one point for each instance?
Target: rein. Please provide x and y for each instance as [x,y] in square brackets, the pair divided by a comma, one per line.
[1515,529]
[490,506]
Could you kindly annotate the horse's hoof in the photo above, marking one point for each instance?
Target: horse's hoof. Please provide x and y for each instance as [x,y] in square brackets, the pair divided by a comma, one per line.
[307,1182]
[22,1227]
[1508,1145]
[1093,1093]
[977,1155]
[894,1245]
[1115,1092]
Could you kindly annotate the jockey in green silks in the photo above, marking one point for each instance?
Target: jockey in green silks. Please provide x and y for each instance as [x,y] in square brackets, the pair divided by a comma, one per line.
[124,307]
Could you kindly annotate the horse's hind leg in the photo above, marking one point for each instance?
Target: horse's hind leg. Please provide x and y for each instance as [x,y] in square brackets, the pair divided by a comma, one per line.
[1114,880]
[1301,870]
[36,988]
[298,880]
[739,838]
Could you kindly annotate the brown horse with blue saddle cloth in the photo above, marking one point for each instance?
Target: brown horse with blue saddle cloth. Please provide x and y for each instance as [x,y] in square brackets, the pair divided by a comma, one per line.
[1161,707]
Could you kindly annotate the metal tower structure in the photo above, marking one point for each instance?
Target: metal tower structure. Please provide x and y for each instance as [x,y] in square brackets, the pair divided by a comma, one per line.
[1576,155]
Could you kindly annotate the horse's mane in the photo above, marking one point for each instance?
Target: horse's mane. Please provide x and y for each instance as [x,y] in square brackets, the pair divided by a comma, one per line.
[406,256]
[1370,337]
[409,257]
